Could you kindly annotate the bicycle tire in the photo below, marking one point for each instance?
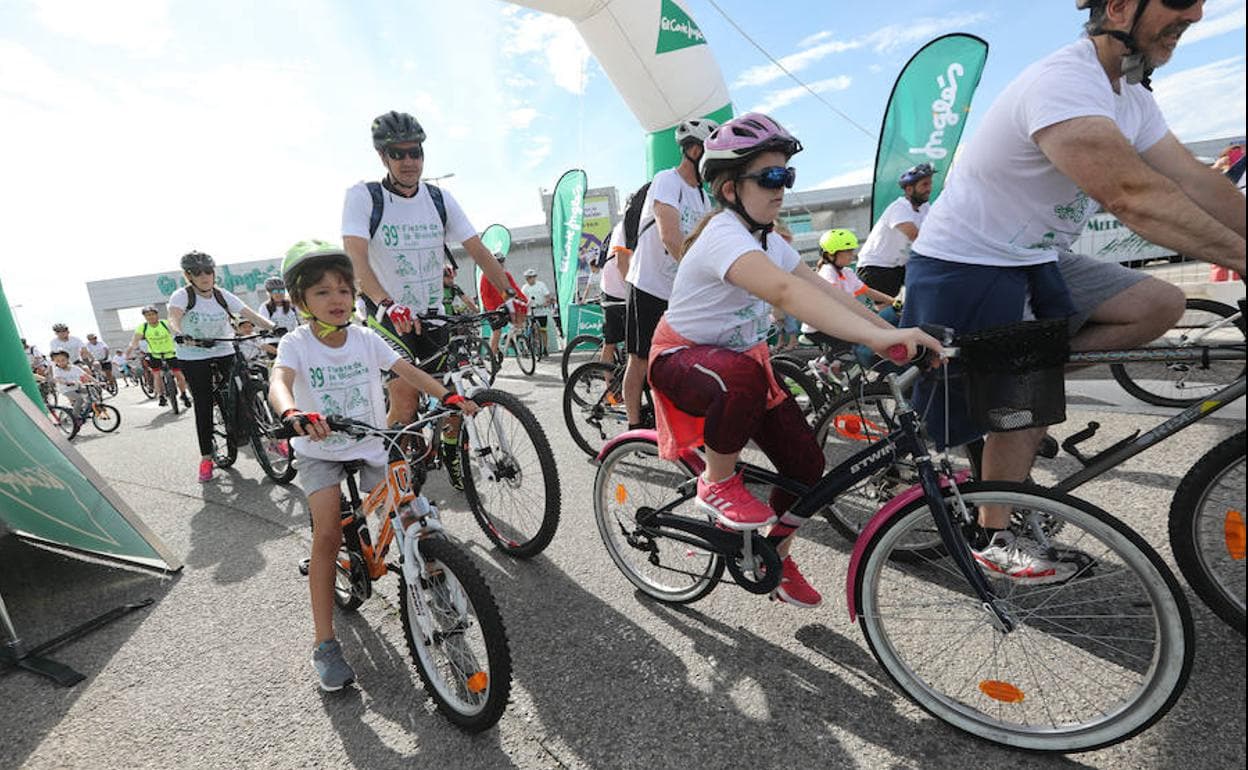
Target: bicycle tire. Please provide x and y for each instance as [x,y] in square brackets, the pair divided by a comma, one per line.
[171,390]
[1207,536]
[526,359]
[632,476]
[530,527]
[110,386]
[276,458]
[573,358]
[50,396]
[797,381]
[63,418]
[147,384]
[224,447]
[593,406]
[438,615]
[106,418]
[997,708]
[1162,384]
[351,582]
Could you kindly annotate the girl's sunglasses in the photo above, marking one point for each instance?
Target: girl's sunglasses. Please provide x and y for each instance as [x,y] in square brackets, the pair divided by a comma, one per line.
[774,177]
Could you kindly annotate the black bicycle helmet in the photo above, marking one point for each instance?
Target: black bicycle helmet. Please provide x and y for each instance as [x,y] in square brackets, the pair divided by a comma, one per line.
[59,327]
[197,262]
[395,127]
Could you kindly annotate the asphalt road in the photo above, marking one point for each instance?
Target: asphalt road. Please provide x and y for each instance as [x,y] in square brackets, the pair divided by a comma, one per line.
[216,673]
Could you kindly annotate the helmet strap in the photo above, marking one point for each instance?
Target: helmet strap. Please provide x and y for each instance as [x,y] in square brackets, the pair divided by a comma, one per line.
[322,328]
[697,172]
[751,223]
[1135,67]
[398,188]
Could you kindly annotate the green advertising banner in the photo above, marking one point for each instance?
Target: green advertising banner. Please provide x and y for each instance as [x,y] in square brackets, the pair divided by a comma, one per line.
[567,212]
[49,493]
[926,113]
[497,239]
[583,319]
[14,366]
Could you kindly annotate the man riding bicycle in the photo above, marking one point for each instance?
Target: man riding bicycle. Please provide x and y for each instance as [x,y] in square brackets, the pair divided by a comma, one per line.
[1077,131]
[160,348]
[883,256]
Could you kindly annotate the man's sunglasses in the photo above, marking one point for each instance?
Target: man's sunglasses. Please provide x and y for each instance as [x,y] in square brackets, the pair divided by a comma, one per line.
[415,153]
[208,271]
[774,177]
[1178,5]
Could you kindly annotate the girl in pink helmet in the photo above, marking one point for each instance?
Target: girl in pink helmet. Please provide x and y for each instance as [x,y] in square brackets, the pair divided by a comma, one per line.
[709,368]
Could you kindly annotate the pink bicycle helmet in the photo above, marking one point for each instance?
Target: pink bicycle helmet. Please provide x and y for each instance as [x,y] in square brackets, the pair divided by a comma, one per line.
[743,137]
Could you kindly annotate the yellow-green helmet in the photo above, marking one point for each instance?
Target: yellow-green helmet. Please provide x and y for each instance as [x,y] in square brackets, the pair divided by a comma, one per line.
[305,254]
[838,240]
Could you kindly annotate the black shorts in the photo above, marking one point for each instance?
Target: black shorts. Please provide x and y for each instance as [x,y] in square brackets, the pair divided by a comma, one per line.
[886,279]
[106,365]
[541,320]
[641,318]
[154,363]
[416,348]
[613,313]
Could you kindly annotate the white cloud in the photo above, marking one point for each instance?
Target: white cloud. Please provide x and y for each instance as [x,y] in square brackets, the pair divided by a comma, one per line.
[777,99]
[884,40]
[520,117]
[538,149]
[1204,102]
[1219,18]
[138,26]
[557,41]
[861,175]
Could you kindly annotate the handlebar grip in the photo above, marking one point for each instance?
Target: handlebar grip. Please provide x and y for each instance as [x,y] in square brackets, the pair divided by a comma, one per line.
[897,354]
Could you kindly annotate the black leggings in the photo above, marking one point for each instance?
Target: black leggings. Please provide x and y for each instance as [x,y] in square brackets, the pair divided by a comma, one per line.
[199,381]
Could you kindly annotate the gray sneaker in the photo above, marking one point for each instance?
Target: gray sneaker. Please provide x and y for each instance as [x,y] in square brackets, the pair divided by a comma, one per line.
[332,669]
[1023,560]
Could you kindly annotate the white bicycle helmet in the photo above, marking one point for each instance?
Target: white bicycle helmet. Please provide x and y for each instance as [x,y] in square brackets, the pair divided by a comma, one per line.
[695,130]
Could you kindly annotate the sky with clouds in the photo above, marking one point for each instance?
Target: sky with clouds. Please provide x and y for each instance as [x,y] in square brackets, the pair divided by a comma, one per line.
[135,130]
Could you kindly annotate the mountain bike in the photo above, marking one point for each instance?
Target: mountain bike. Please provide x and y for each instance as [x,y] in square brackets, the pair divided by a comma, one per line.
[1069,666]
[169,384]
[593,404]
[105,417]
[583,349]
[509,473]
[455,633]
[241,412]
[519,343]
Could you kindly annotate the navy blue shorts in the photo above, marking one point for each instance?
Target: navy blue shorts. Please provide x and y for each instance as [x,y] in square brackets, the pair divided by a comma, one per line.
[971,298]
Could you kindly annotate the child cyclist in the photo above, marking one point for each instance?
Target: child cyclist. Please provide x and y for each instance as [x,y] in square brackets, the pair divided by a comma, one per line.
[837,248]
[709,368]
[329,366]
[69,380]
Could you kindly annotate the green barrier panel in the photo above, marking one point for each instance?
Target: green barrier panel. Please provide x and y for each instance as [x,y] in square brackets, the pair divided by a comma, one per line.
[583,319]
[49,493]
[13,364]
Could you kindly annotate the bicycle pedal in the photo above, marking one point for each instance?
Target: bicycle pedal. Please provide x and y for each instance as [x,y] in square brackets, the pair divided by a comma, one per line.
[304,563]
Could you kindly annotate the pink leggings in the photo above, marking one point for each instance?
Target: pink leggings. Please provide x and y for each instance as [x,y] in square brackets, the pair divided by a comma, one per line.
[729,390]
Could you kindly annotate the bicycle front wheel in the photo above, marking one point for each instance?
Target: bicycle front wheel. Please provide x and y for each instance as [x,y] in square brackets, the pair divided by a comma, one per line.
[147,383]
[456,637]
[1207,529]
[276,457]
[1204,322]
[509,472]
[579,351]
[632,479]
[224,448]
[593,406]
[526,359]
[105,418]
[171,390]
[1093,660]
[63,418]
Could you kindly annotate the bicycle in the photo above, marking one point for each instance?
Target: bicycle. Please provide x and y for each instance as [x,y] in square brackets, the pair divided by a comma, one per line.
[535,334]
[107,383]
[241,411]
[455,633]
[518,343]
[593,404]
[1207,543]
[996,664]
[584,349]
[168,383]
[500,447]
[105,417]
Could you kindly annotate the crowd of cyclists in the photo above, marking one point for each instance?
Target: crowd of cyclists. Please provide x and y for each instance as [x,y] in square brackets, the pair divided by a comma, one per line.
[692,295]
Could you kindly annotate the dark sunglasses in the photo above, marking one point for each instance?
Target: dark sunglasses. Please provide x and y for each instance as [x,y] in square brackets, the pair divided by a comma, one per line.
[415,153]
[1178,5]
[208,271]
[774,177]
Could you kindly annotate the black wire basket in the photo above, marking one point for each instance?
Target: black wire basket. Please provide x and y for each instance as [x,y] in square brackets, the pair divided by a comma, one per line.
[1016,374]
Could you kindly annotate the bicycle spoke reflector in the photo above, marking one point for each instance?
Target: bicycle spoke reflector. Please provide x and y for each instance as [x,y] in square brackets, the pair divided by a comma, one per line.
[1001,691]
[1233,531]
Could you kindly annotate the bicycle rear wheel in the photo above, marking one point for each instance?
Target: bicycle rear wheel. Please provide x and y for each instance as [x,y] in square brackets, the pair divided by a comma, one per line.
[224,447]
[1093,660]
[510,478]
[579,351]
[110,386]
[456,637]
[105,418]
[1204,322]
[593,406]
[171,390]
[633,477]
[276,457]
[1207,529]
[797,380]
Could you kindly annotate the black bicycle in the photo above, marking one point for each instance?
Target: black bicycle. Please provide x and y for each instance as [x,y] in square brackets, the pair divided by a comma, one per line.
[1061,666]
[593,404]
[105,417]
[241,412]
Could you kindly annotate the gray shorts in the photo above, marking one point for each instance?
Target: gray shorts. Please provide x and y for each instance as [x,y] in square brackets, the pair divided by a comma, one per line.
[1092,281]
[316,474]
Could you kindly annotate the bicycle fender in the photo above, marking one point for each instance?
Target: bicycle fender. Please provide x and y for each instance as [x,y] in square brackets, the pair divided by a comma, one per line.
[688,457]
[882,517]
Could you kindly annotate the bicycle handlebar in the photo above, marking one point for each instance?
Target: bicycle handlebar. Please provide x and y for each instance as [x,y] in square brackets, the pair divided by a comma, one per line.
[352,427]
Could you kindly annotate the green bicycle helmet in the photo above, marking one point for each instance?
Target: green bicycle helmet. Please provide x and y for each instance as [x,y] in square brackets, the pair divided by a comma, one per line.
[306,254]
[838,240]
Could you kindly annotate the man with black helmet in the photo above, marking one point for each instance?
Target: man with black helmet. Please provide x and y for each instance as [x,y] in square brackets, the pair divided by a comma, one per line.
[883,256]
[396,233]
[1077,131]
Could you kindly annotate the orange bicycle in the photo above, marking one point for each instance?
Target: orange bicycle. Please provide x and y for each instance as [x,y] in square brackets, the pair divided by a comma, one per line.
[454,631]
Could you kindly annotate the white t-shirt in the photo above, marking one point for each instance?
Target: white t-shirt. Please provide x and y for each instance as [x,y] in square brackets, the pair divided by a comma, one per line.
[282,319]
[653,269]
[119,359]
[68,379]
[708,310]
[537,294]
[406,253]
[886,246]
[98,350]
[846,280]
[610,278]
[33,356]
[71,345]
[1005,203]
[343,381]
[207,320]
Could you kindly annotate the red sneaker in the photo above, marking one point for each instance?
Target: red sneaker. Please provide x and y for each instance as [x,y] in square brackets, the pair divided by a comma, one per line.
[732,504]
[794,589]
[205,470]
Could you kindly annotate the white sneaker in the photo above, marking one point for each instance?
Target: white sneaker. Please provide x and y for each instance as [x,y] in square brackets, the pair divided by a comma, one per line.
[1022,560]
